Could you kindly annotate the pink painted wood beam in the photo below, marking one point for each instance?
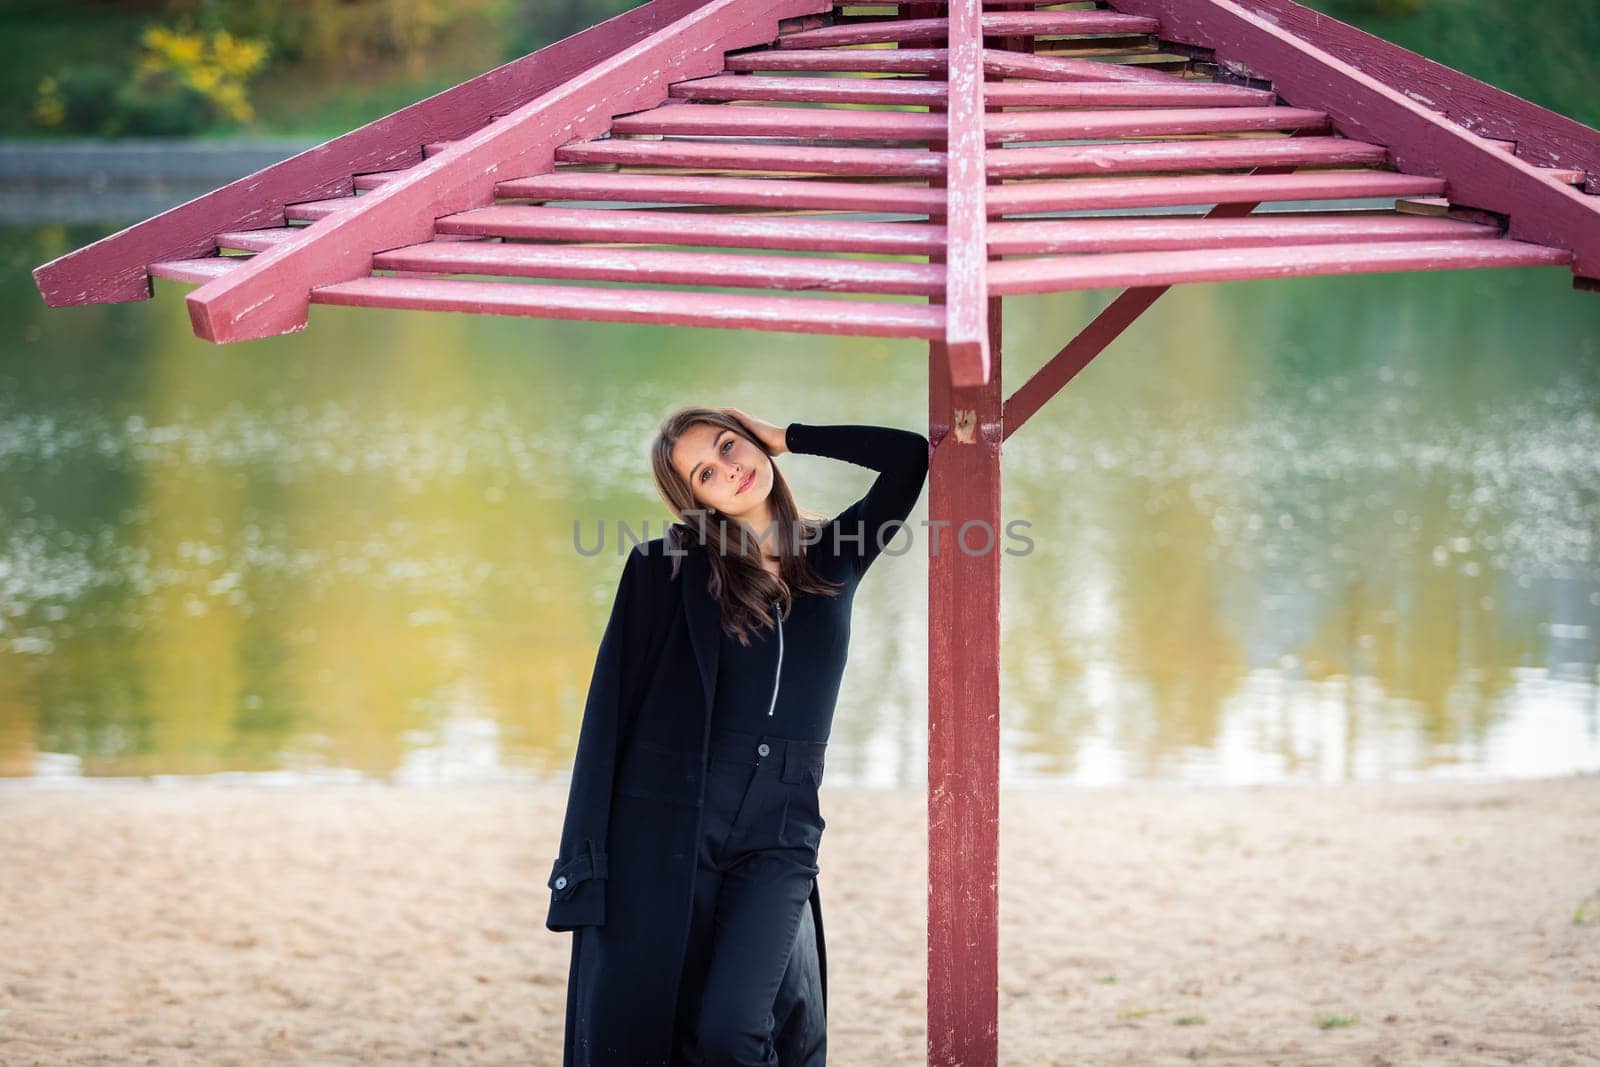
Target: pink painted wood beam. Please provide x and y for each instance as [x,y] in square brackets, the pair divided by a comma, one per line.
[1152,156]
[967,255]
[1113,193]
[893,91]
[1147,122]
[737,120]
[196,271]
[1058,274]
[734,231]
[996,61]
[963,816]
[259,240]
[666,267]
[994,24]
[964,713]
[1099,159]
[115,267]
[869,61]
[366,182]
[916,92]
[1008,64]
[1148,234]
[665,307]
[270,295]
[722,155]
[1541,136]
[767,193]
[1077,354]
[317,210]
[1420,140]
[1123,94]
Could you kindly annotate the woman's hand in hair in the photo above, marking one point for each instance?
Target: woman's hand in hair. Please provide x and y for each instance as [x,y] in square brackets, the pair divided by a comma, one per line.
[774,438]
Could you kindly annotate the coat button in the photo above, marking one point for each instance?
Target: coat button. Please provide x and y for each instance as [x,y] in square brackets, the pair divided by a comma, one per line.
[561,883]
[764,748]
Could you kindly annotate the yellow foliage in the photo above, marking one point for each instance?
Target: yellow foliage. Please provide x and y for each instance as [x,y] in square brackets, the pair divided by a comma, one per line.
[237,56]
[49,109]
[215,65]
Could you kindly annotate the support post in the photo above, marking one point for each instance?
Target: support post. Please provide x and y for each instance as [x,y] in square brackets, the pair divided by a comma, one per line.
[964,711]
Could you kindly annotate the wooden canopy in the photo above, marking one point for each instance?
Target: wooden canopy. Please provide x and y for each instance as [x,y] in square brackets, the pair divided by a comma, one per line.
[752,163]
[763,128]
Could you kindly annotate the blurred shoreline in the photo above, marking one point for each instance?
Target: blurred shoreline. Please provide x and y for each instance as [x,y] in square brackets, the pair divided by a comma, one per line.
[84,180]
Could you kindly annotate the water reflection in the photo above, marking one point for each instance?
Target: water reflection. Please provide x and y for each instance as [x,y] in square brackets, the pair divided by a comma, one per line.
[1321,529]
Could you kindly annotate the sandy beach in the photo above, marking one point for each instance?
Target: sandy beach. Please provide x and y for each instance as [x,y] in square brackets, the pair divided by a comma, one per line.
[1373,924]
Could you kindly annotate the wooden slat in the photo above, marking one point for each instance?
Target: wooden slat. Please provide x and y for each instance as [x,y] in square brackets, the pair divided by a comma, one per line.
[731,231]
[258,240]
[1122,94]
[901,91]
[1149,156]
[313,210]
[1113,193]
[966,286]
[998,24]
[770,193]
[735,120]
[1147,122]
[1566,177]
[871,61]
[114,268]
[1014,162]
[1044,67]
[913,92]
[657,266]
[997,62]
[1146,233]
[365,182]
[798,159]
[1119,269]
[666,307]
[196,271]
[270,294]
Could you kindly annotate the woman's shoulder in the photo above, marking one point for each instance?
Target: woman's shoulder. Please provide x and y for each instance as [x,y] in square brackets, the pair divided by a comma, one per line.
[655,557]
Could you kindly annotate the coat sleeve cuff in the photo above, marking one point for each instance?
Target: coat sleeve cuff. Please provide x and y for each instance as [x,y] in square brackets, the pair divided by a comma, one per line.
[578,891]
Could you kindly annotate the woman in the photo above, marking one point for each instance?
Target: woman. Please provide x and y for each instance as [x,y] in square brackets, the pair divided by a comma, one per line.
[689,849]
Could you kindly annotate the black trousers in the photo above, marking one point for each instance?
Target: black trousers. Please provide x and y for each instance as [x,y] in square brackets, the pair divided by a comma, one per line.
[750,992]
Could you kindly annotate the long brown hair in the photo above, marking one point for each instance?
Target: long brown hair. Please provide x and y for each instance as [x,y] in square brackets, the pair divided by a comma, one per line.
[738,580]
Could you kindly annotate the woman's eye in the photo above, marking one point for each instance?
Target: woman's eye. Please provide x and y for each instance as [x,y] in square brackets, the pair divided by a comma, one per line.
[724,450]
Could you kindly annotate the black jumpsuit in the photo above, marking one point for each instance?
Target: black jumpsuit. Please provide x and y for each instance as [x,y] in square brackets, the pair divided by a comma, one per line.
[761,823]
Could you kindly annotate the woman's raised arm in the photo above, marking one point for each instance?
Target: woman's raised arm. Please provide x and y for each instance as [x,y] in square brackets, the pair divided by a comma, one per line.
[901,459]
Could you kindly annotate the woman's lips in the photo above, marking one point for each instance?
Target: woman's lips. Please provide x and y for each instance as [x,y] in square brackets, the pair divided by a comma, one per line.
[748,478]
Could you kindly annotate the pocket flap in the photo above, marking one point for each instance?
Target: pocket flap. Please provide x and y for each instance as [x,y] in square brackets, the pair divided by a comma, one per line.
[654,772]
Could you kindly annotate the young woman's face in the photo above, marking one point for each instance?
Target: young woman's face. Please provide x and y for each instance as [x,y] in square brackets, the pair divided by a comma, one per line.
[726,470]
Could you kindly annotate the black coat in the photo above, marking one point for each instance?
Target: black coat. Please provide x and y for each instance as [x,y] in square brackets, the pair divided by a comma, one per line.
[624,878]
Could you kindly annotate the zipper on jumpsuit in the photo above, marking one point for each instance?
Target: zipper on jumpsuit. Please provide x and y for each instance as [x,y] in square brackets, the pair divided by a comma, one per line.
[777,674]
[699,814]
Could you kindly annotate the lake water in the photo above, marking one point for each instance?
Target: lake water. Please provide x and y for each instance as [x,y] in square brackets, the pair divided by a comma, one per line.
[1312,529]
